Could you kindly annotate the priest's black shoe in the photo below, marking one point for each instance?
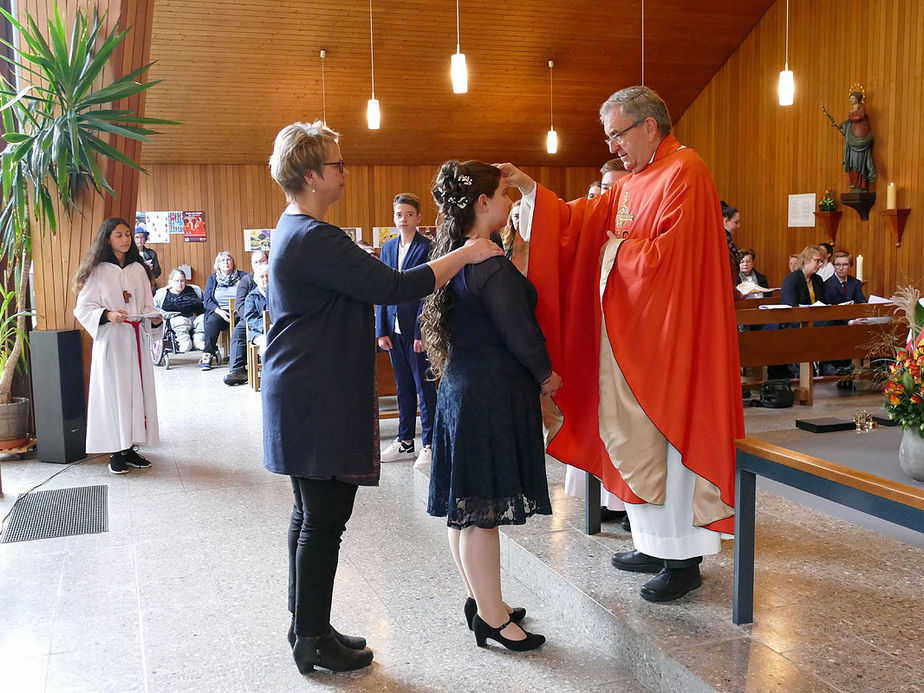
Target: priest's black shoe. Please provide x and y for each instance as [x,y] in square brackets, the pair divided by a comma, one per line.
[625,524]
[607,515]
[637,562]
[483,631]
[471,608]
[354,642]
[327,652]
[671,583]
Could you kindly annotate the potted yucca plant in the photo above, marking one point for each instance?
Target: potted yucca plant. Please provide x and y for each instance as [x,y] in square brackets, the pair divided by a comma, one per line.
[57,118]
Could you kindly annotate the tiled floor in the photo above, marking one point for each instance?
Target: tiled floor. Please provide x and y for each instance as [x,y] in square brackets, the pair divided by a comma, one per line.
[186,592]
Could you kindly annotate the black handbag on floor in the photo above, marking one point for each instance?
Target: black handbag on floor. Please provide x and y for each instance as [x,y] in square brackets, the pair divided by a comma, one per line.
[776,394]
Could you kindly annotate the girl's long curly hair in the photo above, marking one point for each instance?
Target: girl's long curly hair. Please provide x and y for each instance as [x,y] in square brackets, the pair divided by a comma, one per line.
[100,250]
[456,189]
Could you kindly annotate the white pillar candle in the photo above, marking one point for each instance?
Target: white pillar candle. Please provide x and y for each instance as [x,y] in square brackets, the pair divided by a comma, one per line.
[860,267]
[890,196]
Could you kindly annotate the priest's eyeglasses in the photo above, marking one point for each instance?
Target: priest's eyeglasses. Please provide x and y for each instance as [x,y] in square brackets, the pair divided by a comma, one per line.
[338,164]
[617,136]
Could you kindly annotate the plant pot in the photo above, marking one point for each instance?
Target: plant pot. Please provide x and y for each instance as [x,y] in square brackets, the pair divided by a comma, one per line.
[911,454]
[14,421]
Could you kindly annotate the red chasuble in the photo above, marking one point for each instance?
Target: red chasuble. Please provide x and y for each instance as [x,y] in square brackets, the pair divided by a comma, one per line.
[669,316]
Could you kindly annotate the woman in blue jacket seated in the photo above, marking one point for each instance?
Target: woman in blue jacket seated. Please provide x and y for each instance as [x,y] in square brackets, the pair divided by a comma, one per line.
[319,410]
[220,288]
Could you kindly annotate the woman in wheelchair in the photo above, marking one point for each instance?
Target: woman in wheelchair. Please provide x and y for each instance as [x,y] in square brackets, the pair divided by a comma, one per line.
[187,313]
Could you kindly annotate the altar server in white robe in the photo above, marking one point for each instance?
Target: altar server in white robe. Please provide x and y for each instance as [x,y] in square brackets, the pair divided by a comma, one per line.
[115,306]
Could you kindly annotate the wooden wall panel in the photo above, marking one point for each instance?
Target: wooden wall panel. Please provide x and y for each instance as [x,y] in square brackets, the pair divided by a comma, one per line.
[238,197]
[760,152]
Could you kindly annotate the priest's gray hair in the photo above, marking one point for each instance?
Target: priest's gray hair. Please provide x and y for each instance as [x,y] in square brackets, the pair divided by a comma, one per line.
[299,147]
[638,103]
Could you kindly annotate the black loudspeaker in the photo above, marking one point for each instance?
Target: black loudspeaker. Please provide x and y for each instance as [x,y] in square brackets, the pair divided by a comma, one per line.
[57,388]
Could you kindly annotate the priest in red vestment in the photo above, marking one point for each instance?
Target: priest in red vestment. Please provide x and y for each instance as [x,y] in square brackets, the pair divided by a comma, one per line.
[640,324]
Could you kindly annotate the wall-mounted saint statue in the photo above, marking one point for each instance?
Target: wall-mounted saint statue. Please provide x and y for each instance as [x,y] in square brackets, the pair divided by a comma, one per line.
[858,141]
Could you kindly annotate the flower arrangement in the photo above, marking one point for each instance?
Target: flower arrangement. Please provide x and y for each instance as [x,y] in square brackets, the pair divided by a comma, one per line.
[827,203]
[904,391]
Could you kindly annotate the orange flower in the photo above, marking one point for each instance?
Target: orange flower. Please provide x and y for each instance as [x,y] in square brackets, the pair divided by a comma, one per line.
[894,400]
[915,399]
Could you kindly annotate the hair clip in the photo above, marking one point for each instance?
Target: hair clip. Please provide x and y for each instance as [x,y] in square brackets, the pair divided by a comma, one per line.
[459,202]
[465,179]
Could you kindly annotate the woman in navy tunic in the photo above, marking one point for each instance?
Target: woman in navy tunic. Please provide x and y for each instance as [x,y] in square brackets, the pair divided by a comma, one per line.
[319,374]
[488,465]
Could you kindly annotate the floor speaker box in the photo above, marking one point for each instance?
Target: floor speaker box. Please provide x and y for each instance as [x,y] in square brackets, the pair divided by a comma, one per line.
[57,390]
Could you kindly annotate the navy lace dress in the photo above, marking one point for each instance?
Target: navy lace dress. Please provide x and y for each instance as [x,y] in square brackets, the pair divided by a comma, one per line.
[488,465]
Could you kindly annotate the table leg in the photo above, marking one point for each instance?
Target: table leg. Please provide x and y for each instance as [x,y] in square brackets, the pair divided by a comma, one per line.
[591,504]
[743,600]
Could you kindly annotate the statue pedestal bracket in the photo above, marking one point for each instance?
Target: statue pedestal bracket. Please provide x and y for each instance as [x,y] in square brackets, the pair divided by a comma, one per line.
[895,219]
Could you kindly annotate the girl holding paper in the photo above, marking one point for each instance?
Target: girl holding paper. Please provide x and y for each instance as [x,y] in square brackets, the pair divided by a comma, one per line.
[115,306]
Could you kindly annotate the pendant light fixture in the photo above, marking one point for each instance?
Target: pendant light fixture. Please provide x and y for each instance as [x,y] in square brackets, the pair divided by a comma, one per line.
[323,90]
[457,69]
[787,85]
[373,114]
[551,139]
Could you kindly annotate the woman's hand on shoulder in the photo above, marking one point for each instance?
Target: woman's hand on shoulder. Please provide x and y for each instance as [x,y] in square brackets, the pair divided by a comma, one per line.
[480,249]
[551,385]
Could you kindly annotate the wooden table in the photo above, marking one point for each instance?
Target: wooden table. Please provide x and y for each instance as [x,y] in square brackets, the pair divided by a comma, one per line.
[884,498]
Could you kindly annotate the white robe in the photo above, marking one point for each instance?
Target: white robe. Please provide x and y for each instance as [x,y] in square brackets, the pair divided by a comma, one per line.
[122,410]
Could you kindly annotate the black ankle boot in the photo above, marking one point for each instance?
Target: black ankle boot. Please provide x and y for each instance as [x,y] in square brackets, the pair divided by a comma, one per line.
[325,651]
[471,608]
[483,631]
[354,642]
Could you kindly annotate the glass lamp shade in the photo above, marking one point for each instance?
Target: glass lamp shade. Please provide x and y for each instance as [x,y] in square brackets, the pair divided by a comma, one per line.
[787,88]
[373,115]
[459,74]
[551,142]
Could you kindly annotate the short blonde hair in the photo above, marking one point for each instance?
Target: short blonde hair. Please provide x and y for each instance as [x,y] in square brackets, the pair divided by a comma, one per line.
[299,147]
[223,253]
[810,252]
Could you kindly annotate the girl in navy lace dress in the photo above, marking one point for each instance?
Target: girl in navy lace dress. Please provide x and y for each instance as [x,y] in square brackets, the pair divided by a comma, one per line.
[482,337]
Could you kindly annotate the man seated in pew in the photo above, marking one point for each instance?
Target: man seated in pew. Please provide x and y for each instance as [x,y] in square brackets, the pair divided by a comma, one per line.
[254,307]
[842,288]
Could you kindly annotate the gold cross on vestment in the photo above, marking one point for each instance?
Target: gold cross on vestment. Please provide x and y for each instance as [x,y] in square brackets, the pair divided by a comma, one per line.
[623,215]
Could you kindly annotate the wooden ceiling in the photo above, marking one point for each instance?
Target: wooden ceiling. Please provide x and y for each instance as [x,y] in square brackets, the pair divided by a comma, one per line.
[235,72]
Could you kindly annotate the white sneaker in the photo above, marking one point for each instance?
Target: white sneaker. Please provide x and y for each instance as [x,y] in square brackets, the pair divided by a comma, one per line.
[423,459]
[398,450]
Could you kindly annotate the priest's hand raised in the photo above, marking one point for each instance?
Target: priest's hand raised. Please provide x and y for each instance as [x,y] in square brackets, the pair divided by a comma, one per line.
[513,176]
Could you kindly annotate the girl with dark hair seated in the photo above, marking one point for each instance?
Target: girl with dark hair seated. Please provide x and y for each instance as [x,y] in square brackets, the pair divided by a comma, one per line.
[482,337]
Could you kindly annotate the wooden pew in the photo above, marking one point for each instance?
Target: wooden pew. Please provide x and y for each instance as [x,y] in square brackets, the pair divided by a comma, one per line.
[807,343]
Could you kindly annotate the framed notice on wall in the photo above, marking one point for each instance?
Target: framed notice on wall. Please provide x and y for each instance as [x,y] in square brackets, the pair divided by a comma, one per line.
[801,211]
[354,232]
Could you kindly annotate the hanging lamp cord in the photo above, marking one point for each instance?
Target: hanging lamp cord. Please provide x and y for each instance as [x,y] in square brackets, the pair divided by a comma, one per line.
[371,49]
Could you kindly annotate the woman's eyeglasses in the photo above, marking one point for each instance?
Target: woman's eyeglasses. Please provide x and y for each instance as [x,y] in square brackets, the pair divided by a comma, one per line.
[338,164]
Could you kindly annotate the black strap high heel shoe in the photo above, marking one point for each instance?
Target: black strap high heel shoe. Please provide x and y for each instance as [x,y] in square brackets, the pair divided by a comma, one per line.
[483,631]
[354,642]
[471,608]
[325,651]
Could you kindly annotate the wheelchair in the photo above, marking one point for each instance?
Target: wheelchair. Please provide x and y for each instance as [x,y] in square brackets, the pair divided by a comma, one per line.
[162,349]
